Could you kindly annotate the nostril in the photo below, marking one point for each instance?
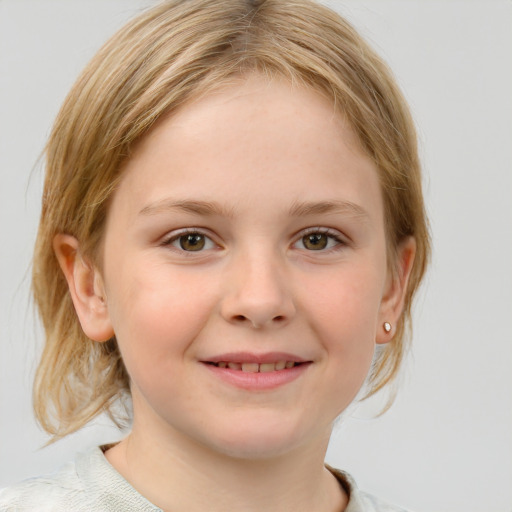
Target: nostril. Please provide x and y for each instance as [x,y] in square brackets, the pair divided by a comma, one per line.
[257,322]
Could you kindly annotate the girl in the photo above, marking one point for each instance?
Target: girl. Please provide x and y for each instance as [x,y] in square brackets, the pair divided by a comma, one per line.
[231,238]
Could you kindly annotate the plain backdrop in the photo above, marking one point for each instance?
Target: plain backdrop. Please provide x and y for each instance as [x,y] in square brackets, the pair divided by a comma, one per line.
[446,445]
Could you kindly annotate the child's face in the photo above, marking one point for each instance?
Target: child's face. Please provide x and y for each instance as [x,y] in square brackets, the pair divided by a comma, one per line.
[248,228]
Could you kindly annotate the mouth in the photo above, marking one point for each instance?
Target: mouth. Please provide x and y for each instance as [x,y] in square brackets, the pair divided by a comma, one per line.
[251,367]
[257,372]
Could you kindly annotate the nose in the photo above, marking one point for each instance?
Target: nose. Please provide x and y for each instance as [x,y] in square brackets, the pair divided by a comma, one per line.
[258,293]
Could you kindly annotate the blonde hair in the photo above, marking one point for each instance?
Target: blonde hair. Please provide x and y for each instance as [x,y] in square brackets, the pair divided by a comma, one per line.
[155,64]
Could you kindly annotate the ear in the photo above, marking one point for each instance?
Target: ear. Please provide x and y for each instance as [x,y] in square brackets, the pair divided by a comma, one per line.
[85,287]
[392,302]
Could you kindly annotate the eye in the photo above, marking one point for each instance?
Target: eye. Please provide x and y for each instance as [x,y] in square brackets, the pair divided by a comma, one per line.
[318,240]
[191,241]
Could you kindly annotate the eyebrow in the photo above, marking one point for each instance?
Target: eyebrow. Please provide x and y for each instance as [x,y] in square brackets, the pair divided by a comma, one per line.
[211,208]
[207,208]
[302,209]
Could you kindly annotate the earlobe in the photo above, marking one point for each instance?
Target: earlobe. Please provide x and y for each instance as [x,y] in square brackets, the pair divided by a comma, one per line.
[394,296]
[85,287]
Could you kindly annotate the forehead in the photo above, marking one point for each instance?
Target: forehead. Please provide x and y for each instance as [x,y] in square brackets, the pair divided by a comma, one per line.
[248,101]
[222,145]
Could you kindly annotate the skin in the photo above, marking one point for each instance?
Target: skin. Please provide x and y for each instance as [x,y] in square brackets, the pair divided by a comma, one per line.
[253,170]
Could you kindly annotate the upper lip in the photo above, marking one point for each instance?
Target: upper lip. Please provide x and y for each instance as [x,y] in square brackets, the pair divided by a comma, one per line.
[250,357]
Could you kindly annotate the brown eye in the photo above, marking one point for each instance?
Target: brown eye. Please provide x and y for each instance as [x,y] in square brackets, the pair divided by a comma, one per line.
[315,241]
[192,242]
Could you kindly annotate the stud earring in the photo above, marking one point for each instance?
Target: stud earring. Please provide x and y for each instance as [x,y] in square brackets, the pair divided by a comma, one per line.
[387,326]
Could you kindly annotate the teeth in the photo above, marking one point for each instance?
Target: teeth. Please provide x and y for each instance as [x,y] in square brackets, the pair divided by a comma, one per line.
[267,367]
[250,367]
[255,367]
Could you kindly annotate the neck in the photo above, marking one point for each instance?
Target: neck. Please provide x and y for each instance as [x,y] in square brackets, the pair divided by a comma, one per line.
[182,474]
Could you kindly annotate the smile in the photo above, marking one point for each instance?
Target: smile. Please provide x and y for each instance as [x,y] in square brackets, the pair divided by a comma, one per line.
[256,367]
[257,372]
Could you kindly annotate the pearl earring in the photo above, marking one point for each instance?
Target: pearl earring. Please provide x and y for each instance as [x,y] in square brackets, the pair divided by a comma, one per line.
[387,326]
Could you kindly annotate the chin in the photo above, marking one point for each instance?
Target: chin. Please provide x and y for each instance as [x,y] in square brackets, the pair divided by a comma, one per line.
[255,449]
[259,440]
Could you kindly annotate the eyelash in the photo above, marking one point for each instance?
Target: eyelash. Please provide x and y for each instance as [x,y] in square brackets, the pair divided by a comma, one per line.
[175,237]
[331,234]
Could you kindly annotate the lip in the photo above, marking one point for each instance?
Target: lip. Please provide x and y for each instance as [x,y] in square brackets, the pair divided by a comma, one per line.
[260,381]
[250,357]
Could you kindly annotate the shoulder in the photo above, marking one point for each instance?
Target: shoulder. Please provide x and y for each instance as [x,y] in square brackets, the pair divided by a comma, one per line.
[370,503]
[89,484]
[53,493]
[360,501]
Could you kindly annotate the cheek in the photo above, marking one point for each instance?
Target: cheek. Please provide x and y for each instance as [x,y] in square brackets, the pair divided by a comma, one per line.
[344,324]
[157,314]
[347,302]
[344,314]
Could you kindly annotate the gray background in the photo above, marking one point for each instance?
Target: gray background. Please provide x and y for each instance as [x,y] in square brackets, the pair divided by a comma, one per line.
[446,445]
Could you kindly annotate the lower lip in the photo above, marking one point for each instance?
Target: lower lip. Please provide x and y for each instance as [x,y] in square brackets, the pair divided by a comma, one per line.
[259,381]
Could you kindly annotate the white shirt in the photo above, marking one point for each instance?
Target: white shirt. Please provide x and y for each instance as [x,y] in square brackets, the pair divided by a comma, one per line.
[91,484]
